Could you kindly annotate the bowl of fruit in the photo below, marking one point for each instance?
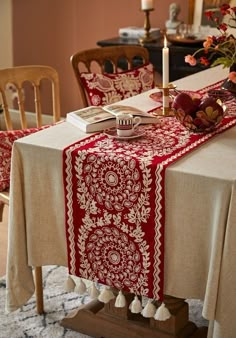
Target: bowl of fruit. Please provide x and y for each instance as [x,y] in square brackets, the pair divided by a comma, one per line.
[198,114]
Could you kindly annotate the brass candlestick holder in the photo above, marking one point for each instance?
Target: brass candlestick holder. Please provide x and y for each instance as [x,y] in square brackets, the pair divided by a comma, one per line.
[147,26]
[166,110]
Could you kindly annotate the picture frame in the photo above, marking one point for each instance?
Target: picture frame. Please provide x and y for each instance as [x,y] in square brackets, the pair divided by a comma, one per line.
[198,7]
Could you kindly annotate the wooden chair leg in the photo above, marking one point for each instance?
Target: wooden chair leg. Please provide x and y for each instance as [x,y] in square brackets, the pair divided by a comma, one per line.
[39,289]
[1,210]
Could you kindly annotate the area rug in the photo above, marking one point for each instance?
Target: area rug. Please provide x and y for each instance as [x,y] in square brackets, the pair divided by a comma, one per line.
[25,323]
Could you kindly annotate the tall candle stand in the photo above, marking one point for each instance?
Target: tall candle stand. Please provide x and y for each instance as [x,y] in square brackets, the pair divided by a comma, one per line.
[147,26]
[166,110]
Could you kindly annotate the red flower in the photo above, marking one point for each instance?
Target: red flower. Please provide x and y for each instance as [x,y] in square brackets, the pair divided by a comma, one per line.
[232,77]
[204,61]
[220,39]
[191,60]
[209,41]
[225,9]
[209,15]
[223,27]
[220,49]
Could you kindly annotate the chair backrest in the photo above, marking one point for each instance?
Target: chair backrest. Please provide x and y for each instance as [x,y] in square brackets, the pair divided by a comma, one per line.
[37,78]
[111,59]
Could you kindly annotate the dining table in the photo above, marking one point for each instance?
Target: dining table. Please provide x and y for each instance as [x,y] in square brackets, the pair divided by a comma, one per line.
[200,214]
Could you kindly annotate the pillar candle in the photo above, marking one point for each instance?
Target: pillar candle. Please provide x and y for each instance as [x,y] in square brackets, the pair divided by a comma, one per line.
[165,64]
[146,4]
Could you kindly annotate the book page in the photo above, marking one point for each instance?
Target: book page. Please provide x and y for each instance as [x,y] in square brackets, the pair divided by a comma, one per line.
[117,108]
[93,114]
[142,104]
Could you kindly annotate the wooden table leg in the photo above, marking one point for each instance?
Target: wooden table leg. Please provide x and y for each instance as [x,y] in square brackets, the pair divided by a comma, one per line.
[104,320]
[39,289]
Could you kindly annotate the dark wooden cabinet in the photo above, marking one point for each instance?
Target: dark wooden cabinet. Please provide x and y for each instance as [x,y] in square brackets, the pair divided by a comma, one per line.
[178,67]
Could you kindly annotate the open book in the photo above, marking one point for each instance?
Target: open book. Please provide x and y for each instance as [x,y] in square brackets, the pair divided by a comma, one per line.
[97,118]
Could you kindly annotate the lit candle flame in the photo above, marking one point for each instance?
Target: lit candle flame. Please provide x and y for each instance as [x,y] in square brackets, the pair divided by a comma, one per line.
[165,42]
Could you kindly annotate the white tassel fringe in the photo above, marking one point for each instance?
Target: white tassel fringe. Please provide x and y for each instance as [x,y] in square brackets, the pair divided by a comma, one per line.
[149,310]
[106,295]
[135,305]
[93,291]
[80,288]
[69,284]
[162,313]
[120,300]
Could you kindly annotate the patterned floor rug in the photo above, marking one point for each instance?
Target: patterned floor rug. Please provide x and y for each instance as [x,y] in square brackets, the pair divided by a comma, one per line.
[25,323]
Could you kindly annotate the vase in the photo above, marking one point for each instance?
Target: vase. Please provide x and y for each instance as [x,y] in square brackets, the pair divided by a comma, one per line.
[229,85]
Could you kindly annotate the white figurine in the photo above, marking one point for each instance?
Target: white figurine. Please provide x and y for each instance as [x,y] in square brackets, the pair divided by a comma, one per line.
[173,21]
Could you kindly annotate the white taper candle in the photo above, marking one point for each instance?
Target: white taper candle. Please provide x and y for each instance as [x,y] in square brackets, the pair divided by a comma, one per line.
[146,4]
[165,64]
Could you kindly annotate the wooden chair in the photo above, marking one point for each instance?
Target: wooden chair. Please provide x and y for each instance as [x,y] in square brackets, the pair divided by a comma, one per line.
[16,78]
[106,60]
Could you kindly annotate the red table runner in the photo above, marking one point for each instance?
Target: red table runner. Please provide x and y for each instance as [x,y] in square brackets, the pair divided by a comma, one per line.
[115,203]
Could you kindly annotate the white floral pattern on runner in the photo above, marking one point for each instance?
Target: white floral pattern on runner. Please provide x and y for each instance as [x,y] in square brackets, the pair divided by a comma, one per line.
[114,198]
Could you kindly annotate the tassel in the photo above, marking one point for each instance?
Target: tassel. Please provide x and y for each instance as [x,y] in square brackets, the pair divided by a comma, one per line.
[120,300]
[106,295]
[162,313]
[149,310]
[69,284]
[93,291]
[80,288]
[135,305]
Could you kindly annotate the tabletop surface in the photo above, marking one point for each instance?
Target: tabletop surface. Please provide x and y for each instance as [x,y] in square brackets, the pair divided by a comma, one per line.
[199,226]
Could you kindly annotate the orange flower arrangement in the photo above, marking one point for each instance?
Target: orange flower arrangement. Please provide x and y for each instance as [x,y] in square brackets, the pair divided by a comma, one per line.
[221,49]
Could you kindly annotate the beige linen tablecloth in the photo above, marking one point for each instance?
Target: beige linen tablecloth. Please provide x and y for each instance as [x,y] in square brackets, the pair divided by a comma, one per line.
[200,231]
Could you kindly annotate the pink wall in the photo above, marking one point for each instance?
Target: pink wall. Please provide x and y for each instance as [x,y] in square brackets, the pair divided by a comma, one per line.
[49,32]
